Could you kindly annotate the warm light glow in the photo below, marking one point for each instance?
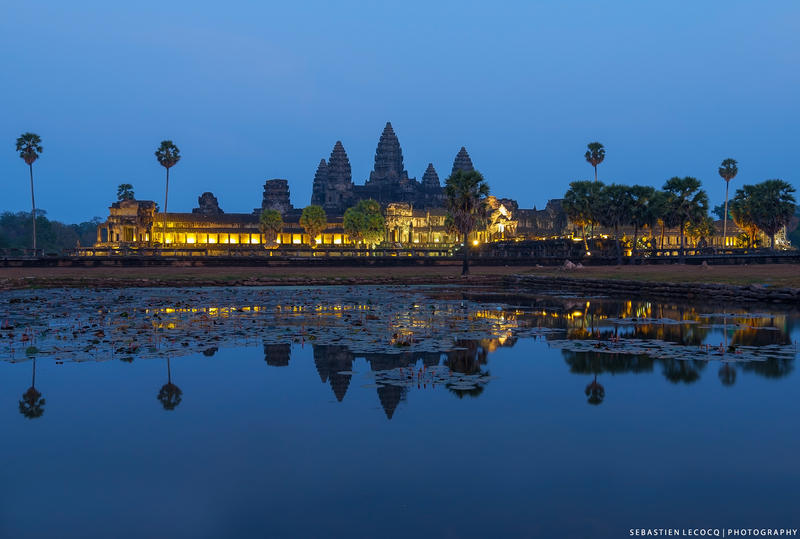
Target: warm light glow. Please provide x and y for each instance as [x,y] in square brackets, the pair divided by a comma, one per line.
[212,238]
[318,240]
[190,238]
[297,240]
[475,242]
[337,239]
[255,239]
[588,253]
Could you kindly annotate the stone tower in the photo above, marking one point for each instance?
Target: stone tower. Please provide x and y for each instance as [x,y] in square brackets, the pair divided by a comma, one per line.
[320,184]
[339,173]
[276,196]
[388,159]
[430,180]
[207,205]
[462,161]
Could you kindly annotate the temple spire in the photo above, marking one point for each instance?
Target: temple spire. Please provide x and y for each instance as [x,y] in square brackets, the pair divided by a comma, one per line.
[430,179]
[388,157]
[339,165]
[462,161]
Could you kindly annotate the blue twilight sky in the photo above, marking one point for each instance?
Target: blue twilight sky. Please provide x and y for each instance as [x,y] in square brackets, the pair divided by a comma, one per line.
[258,90]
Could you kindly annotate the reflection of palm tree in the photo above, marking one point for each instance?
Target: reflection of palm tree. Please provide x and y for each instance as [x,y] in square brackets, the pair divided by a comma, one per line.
[595,392]
[727,375]
[32,403]
[170,394]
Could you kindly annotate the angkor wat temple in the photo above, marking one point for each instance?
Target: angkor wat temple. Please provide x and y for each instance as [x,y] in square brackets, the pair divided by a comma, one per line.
[414,209]
[388,182]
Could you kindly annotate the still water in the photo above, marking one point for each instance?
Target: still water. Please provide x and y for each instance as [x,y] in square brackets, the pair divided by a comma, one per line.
[374,412]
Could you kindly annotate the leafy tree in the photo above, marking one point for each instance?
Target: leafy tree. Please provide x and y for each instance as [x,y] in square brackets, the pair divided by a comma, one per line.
[314,221]
[580,203]
[742,209]
[465,197]
[54,236]
[29,146]
[641,210]
[270,223]
[700,229]
[125,192]
[687,203]
[658,210]
[364,222]
[773,207]
[719,211]
[615,208]
[168,156]
[595,155]
[728,171]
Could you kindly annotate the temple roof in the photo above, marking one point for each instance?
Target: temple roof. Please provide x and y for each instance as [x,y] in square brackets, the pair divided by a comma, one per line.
[339,165]
[462,161]
[388,156]
[430,178]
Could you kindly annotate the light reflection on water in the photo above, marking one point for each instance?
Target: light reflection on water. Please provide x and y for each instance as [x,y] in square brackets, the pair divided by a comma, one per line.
[287,425]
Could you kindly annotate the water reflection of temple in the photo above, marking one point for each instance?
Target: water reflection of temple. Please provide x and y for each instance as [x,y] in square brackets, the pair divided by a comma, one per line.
[334,363]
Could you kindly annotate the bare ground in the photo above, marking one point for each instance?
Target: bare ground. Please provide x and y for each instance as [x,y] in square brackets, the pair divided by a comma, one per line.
[774,275]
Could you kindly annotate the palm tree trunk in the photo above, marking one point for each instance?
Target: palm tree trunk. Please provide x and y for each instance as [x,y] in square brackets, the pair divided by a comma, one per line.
[33,210]
[682,254]
[166,197]
[635,239]
[662,236]
[169,372]
[465,266]
[583,230]
[616,240]
[725,217]
[772,241]
[595,173]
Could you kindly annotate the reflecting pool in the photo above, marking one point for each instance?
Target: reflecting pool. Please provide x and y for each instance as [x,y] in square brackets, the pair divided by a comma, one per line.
[391,412]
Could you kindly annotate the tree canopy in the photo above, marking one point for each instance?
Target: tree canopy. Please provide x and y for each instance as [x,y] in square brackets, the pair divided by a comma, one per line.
[314,221]
[125,192]
[364,222]
[270,223]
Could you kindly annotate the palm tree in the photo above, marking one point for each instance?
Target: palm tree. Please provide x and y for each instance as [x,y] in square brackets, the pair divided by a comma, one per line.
[743,209]
[465,195]
[614,210]
[169,395]
[32,403]
[270,223]
[689,203]
[595,155]
[168,156]
[728,170]
[773,207]
[29,146]
[314,221]
[641,210]
[595,391]
[580,203]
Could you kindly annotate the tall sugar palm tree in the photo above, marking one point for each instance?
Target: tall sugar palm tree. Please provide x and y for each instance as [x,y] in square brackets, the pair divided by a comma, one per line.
[728,171]
[168,156]
[465,195]
[29,146]
[32,403]
[169,395]
[595,155]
